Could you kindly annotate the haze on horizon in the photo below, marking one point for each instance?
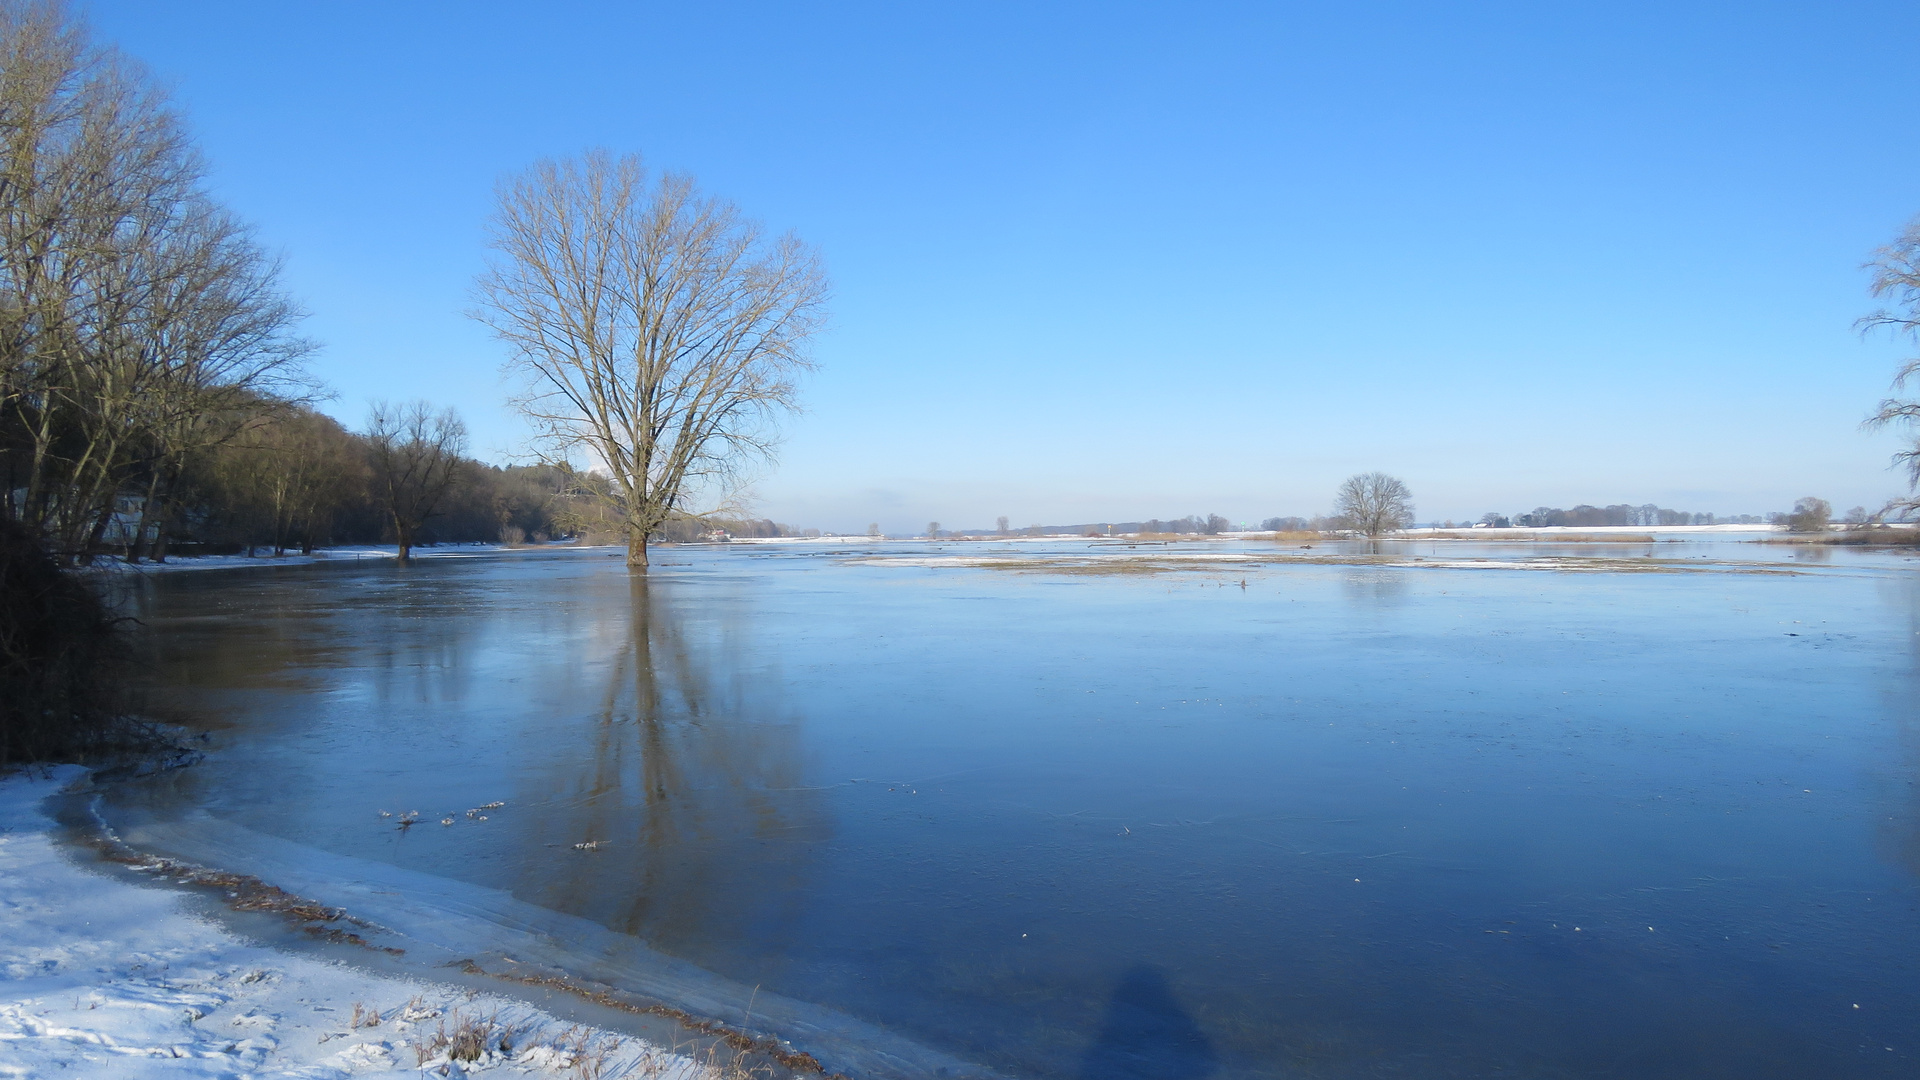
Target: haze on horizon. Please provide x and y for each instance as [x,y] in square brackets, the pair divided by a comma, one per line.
[1106,262]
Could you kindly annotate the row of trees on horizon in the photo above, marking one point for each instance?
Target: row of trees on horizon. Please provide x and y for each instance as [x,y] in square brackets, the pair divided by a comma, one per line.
[1802,518]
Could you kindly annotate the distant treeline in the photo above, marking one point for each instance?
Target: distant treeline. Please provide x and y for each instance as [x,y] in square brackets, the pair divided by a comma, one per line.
[289,478]
[1621,514]
[298,480]
[1581,516]
[1192,524]
[294,478]
[1300,524]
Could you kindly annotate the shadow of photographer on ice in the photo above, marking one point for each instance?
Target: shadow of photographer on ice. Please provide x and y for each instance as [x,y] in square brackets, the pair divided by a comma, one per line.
[1147,1035]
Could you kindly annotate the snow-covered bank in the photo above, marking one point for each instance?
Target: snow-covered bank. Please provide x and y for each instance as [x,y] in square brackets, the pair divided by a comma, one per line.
[440,924]
[101,978]
[181,563]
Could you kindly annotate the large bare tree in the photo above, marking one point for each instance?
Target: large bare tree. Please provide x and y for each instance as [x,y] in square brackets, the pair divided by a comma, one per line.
[1896,283]
[415,457]
[1374,504]
[657,329]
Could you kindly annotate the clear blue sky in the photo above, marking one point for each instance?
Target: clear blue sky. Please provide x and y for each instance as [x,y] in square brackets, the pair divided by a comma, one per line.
[1109,261]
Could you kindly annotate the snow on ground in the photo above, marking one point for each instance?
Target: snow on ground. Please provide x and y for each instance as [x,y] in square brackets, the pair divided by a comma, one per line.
[179,563]
[101,978]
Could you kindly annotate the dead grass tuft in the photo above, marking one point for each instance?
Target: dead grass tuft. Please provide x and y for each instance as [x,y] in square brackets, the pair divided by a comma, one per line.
[462,1042]
[584,1053]
[747,1057]
[469,1038]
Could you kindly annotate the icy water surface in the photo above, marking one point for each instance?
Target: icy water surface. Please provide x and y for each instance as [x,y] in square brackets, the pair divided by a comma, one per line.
[1439,810]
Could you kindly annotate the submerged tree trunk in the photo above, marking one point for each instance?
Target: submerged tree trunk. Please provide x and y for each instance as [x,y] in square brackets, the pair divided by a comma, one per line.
[416,460]
[149,519]
[636,548]
[96,536]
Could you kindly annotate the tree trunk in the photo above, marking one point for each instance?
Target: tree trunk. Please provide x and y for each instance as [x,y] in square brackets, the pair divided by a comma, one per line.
[149,518]
[96,536]
[636,548]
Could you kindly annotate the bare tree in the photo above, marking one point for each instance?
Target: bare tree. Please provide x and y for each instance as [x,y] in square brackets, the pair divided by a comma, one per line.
[1374,504]
[933,530]
[1896,282]
[220,352]
[306,464]
[415,455]
[1000,523]
[657,328]
[1810,515]
[133,312]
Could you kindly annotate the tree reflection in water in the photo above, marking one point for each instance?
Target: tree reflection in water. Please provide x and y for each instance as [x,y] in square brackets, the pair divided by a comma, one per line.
[1900,831]
[693,790]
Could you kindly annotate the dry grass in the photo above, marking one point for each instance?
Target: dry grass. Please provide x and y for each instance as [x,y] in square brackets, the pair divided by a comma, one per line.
[468,1038]
[461,1042]
[1864,536]
[744,1057]
[585,1053]
[242,892]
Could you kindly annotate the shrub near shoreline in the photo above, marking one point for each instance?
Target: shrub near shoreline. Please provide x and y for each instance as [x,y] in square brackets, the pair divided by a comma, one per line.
[62,655]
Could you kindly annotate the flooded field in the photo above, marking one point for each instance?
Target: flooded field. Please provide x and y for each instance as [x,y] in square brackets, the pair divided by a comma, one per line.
[1084,809]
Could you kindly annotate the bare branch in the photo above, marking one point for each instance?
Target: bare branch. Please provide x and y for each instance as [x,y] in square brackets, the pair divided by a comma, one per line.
[1896,280]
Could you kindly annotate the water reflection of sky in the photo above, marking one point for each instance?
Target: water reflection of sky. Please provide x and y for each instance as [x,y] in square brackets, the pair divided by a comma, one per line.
[1351,819]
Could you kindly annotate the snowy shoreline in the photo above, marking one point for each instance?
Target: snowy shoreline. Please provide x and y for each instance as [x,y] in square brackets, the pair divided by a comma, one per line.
[101,977]
[185,563]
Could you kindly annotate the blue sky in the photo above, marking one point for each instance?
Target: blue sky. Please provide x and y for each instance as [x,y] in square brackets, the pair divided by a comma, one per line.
[1110,261]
